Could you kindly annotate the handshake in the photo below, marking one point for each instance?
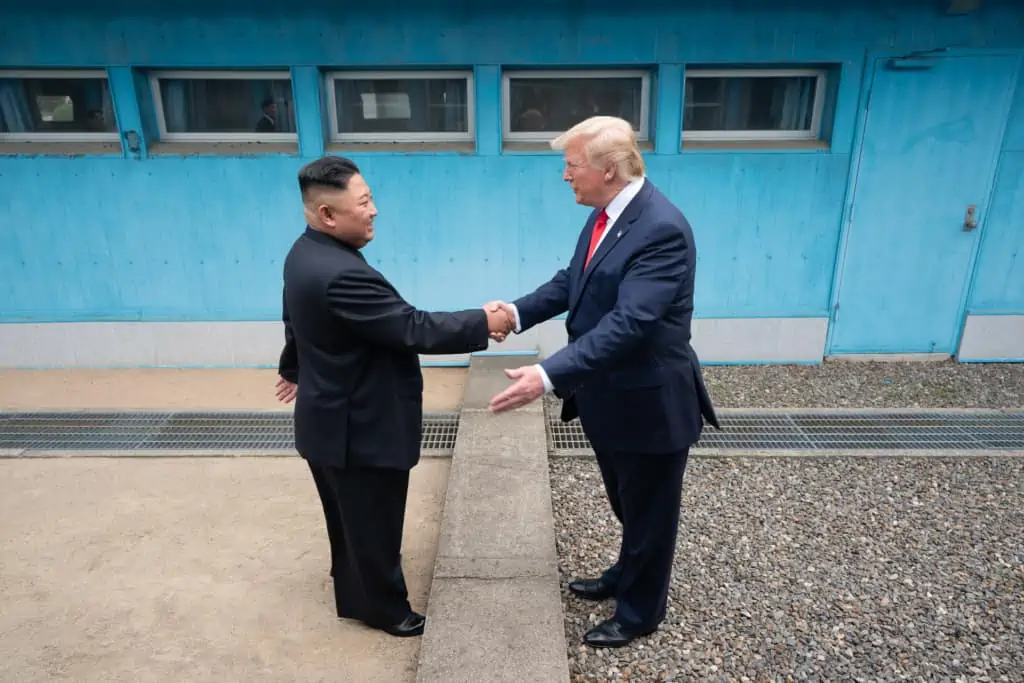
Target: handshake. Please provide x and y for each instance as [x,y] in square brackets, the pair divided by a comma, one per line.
[501,319]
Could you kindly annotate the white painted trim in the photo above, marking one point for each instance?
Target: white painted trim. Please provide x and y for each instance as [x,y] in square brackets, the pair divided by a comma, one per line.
[219,344]
[59,137]
[332,106]
[889,357]
[568,74]
[992,337]
[813,133]
[154,85]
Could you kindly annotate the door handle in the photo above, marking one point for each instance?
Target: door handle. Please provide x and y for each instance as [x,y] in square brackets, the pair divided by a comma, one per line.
[970,221]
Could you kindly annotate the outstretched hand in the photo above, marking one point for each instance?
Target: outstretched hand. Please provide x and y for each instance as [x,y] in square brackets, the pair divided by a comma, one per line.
[528,387]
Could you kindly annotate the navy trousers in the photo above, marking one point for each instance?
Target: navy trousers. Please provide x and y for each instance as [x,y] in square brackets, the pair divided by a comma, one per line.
[645,492]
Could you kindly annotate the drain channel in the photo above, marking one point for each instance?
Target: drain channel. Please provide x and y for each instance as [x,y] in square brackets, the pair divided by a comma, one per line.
[179,431]
[831,431]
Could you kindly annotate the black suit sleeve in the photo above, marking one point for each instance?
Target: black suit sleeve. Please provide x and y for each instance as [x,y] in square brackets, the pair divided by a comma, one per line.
[288,366]
[371,309]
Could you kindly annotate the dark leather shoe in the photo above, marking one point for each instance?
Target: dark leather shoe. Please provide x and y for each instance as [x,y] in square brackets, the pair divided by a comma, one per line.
[612,634]
[592,589]
[412,625]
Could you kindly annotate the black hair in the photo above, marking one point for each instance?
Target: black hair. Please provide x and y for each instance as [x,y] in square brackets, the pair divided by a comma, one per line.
[267,101]
[331,172]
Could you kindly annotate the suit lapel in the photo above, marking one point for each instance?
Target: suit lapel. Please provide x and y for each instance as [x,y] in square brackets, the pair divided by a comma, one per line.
[582,244]
[629,216]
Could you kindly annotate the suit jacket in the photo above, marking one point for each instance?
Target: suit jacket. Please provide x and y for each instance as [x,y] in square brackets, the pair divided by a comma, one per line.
[352,345]
[628,371]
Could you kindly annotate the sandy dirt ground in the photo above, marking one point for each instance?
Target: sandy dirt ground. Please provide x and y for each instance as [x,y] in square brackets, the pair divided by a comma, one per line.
[184,390]
[188,569]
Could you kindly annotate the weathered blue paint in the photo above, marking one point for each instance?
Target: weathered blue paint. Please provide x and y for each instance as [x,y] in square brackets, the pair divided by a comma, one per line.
[668,118]
[907,260]
[307,86]
[166,236]
[203,238]
[999,277]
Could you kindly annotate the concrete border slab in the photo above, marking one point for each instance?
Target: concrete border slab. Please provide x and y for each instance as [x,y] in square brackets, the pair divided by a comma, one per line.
[495,608]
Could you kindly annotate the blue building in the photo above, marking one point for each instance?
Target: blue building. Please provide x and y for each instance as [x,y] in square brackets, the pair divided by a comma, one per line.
[853,169]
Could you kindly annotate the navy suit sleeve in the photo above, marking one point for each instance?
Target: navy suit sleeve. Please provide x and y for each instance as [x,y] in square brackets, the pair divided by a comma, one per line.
[288,365]
[372,310]
[649,287]
[547,301]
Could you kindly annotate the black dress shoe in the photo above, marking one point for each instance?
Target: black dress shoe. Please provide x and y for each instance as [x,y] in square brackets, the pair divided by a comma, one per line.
[612,634]
[592,589]
[412,625]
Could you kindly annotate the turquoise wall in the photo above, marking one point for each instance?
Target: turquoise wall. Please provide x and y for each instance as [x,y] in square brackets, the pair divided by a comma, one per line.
[168,235]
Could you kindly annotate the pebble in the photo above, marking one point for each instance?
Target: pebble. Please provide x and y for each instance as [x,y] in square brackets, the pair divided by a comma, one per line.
[824,569]
[868,384]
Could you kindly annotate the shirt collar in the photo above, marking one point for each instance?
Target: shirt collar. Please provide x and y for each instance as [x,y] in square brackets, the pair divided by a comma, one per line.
[619,203]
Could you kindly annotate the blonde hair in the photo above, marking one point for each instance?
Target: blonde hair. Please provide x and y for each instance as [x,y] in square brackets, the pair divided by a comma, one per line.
[609,139]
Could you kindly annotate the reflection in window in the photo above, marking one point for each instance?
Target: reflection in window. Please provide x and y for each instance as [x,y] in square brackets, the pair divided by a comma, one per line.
[542,105]
[396,107]
[46,105]
[209,106]
[745,105]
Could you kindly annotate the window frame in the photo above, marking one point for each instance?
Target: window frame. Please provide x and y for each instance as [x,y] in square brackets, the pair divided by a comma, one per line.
[217,74]
[24,74]
[817,111]
[337,137]
[643,135]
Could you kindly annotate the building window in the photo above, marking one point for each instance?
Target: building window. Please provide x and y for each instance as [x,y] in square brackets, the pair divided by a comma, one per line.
[56,106]
[386,106]
[539,105]
[224,106]
[758,104]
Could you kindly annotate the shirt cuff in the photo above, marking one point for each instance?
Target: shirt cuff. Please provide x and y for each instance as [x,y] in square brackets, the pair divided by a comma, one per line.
[548,386]
[519,325]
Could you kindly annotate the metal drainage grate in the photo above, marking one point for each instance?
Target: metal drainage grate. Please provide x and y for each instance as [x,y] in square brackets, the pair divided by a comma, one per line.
[178,431]
[831,431]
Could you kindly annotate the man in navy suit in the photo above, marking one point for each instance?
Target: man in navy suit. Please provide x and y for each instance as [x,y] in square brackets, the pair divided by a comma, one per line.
[628,370]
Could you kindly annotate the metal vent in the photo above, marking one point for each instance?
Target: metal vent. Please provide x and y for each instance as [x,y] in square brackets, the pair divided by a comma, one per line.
[832,431]
[178,431]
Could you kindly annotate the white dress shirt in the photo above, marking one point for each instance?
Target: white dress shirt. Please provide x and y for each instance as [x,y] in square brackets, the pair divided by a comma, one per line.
[614,209]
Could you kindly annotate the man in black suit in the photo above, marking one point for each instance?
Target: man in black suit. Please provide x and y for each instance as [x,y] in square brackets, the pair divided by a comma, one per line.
[628,371]
[268,121]
[351,361]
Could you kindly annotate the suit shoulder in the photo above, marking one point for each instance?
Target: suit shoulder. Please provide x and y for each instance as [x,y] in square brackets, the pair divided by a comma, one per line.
[665,212]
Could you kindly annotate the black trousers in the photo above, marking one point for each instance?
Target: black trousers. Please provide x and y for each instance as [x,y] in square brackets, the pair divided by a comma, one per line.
[645,492]
[364,509]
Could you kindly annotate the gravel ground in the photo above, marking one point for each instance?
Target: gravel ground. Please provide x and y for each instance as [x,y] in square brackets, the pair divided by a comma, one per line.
[845,384]
[819,569]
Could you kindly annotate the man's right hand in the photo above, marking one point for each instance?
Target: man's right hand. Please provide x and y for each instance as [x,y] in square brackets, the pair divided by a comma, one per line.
[500,320]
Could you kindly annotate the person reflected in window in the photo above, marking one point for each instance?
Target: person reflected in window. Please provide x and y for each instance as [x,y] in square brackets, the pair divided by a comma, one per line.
[95,121]
[268,122]
[532,121]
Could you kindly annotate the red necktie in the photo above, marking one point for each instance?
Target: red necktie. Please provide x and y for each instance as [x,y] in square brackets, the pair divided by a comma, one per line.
[595,237]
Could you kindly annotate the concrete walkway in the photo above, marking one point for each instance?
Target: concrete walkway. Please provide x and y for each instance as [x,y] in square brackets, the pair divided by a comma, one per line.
[198,570]
[120,569]
[495,611]
[172,389]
